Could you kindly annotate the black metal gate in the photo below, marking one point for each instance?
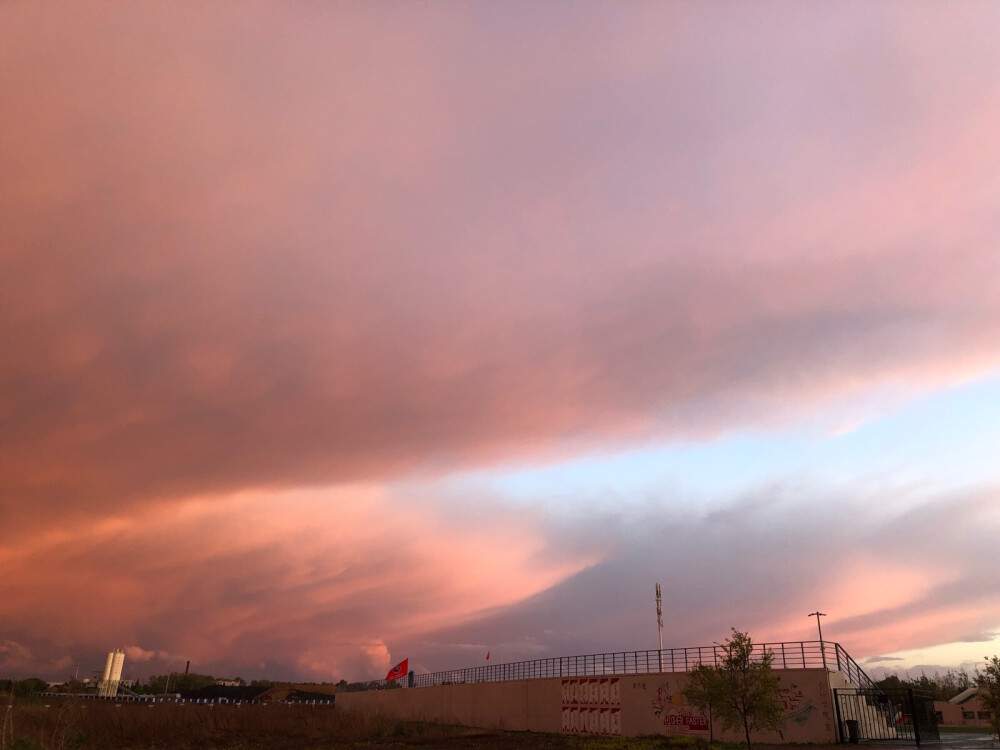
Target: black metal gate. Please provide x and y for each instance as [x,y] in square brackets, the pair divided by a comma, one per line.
[872,715]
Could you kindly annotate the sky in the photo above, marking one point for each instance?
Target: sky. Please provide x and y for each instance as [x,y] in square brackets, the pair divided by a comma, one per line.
[338,334]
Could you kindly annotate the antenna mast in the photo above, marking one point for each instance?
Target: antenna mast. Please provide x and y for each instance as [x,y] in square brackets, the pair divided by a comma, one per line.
[659,621]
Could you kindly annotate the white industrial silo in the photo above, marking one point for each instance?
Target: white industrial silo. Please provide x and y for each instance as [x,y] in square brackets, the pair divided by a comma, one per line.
[112,675]
[116,666]
[106,675]
[102,686]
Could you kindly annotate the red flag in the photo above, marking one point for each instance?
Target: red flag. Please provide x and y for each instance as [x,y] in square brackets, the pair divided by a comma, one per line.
[487,656]
[398,671]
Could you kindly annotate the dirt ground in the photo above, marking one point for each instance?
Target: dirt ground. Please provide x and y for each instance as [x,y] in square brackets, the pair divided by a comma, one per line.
[73,724]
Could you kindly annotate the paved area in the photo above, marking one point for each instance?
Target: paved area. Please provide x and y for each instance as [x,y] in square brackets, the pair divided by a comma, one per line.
[948,741]
[974,741]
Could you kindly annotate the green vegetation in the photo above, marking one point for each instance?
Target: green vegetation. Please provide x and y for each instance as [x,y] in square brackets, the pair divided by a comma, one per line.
[942,686]
[20,688]
[356,687]
[158,684]
[991,691]
[742,691]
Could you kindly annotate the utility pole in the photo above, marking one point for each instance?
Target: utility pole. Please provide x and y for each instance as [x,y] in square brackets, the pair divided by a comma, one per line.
[659,622]
[817,614]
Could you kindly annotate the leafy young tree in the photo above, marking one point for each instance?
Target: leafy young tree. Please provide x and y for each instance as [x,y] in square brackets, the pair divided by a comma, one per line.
[741,690]
[704,691]
[990,693]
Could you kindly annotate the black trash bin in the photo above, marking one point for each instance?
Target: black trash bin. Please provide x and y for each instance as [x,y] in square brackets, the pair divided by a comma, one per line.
[853,735]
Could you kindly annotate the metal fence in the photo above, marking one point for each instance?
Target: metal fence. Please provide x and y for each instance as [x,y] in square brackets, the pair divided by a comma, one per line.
[786,655]
[151,699]
[893,715]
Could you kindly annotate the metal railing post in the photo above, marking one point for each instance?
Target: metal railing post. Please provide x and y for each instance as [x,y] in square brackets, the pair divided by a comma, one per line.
[840,724]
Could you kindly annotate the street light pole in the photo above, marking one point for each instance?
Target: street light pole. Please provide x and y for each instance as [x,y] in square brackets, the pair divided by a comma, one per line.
[822,647]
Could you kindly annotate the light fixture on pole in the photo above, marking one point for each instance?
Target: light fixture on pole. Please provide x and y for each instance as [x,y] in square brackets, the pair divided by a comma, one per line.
[659,622]
[822,647]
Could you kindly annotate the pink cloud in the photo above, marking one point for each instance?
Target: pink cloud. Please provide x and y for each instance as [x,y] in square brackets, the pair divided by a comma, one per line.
[243,254]
[307,572]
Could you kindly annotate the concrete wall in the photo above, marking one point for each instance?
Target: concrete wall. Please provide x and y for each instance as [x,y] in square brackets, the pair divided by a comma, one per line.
[516,705]
[626,705]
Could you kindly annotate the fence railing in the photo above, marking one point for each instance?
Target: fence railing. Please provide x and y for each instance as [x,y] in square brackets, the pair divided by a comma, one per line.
[852,671]
[896,714]
[786,655]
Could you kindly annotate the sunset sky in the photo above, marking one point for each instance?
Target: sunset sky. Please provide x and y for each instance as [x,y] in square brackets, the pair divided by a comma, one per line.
[333,334]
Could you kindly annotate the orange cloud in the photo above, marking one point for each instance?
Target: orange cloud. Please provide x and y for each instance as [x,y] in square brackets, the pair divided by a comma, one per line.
[309,569]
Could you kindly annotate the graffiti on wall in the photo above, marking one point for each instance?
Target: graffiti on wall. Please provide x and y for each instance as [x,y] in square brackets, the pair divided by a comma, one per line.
[799,709]
[592,706]
[677,715]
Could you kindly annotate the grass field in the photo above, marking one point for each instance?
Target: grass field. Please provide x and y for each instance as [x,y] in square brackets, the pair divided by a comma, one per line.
[68,724]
